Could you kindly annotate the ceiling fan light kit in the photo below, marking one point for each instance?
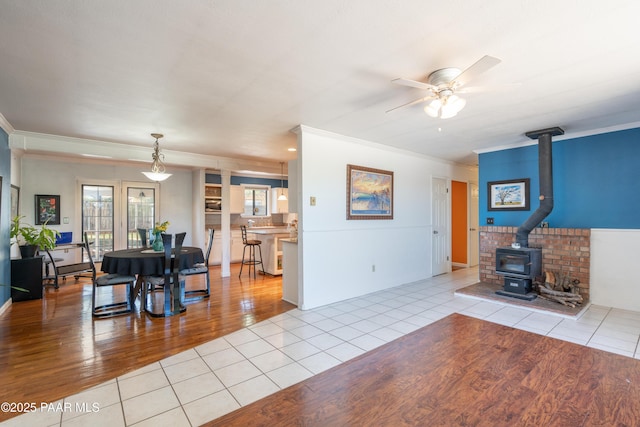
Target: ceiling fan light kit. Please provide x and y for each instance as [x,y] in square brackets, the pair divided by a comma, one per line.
[446,108]
[442,85]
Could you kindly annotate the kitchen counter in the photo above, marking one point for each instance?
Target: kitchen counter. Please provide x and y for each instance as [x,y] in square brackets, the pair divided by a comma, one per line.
[266,231]
[271,247]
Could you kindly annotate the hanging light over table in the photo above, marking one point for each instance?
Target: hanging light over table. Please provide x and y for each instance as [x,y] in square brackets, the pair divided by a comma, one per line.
[282,196]
[157,167]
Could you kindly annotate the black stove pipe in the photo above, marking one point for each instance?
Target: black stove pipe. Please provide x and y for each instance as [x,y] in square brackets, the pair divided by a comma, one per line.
[545,172]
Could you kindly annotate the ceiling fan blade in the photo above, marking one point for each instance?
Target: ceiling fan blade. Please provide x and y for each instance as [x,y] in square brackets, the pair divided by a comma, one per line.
[482,65]
[488,88]
[409,104]
[413,83]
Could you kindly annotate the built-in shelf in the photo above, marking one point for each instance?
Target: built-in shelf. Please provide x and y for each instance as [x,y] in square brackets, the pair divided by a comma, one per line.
[212,199]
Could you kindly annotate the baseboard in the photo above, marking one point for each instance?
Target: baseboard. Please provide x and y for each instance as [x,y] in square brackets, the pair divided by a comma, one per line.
[5,306]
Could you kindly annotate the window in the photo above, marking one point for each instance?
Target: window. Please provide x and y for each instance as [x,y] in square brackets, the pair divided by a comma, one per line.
[256,201]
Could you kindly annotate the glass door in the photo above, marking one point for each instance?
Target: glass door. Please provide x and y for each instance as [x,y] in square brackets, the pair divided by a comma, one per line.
[112,212]
[140,211]
[98,217]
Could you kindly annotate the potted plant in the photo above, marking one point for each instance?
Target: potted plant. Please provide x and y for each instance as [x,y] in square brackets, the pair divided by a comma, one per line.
[30,238]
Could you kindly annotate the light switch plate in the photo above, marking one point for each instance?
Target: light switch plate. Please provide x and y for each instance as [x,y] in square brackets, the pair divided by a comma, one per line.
[312,201]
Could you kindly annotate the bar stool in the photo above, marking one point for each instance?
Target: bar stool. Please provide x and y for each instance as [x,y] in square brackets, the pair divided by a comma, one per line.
[252,261]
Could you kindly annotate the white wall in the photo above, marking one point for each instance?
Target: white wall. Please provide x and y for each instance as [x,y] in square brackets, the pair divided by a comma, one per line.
[615,278]
[337,255]
[52,175]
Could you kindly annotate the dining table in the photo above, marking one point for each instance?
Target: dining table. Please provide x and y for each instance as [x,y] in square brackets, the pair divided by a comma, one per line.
[143,262]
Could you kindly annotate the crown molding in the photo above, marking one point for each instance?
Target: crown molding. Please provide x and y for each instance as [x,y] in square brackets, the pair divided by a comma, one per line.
[567,135]
[38,143]
[5,125]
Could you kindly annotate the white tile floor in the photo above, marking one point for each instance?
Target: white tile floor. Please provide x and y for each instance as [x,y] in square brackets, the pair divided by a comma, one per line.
[220,376]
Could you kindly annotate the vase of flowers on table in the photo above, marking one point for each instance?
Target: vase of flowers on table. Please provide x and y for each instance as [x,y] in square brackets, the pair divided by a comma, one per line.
[157,233]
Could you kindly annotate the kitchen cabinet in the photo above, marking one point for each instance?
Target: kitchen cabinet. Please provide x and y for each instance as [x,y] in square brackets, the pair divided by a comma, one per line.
[279,206]
[237,199]
[212,199]
[215,258]
[236,246]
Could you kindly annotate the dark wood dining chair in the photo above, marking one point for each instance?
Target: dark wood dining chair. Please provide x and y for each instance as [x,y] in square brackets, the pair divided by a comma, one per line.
[109,280]
[171,283]
[202,268]
[142,232]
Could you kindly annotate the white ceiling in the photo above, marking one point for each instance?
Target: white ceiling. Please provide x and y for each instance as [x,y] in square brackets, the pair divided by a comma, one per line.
[231,78]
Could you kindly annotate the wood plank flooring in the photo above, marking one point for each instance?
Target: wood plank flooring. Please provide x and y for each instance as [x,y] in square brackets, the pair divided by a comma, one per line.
[461,371]
[52,348]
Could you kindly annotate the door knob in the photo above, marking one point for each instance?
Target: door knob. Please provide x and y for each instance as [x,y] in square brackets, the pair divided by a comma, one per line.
[435,231]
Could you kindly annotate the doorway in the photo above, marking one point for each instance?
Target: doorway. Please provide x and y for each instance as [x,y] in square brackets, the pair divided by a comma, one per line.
[464,224]
[113,211]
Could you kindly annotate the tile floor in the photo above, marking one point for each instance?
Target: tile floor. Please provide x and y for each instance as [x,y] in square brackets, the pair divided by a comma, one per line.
[220,376]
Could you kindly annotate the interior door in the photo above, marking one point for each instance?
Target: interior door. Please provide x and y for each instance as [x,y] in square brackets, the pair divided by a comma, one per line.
[474,228]
[440,222]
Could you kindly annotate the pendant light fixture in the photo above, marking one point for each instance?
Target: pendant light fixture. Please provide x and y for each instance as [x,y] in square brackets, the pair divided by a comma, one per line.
[282,196]
[157,167]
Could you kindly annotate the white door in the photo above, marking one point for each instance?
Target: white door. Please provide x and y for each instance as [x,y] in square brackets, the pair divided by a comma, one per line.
[474,232]
[113,210]
[138,201]
[440,221]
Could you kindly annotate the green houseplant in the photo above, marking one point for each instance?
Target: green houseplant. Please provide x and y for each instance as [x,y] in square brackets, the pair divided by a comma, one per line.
[30,238]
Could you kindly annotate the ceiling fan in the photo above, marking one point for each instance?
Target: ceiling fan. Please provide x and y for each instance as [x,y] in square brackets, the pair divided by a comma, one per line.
[443,85]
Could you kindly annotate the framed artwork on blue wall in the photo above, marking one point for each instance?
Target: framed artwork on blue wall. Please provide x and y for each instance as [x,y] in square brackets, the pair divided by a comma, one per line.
[509,195]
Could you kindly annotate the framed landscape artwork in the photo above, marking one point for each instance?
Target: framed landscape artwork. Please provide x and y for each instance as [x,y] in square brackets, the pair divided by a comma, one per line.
[369,193]
[510,195]
[47,209]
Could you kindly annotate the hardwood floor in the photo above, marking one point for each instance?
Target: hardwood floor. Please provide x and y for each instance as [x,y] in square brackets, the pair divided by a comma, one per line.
[465,372]
[52,348]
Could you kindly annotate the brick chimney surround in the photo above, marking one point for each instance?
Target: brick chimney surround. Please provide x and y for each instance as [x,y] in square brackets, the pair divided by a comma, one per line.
[564,250]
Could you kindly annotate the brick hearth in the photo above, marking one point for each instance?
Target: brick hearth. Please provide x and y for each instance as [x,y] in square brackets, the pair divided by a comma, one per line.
[564,250]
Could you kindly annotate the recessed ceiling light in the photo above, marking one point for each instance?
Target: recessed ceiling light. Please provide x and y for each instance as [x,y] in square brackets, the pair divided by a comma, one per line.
[291,149]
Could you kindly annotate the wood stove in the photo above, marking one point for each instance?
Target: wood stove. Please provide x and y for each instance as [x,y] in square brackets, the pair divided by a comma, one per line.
[519,266]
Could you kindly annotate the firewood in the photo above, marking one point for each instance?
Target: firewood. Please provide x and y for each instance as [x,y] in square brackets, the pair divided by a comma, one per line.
[557,299]
[550,278]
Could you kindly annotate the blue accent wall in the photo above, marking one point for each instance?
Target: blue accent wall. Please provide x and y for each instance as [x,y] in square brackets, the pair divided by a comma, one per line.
[595,181]
[5,217]
[237,180]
